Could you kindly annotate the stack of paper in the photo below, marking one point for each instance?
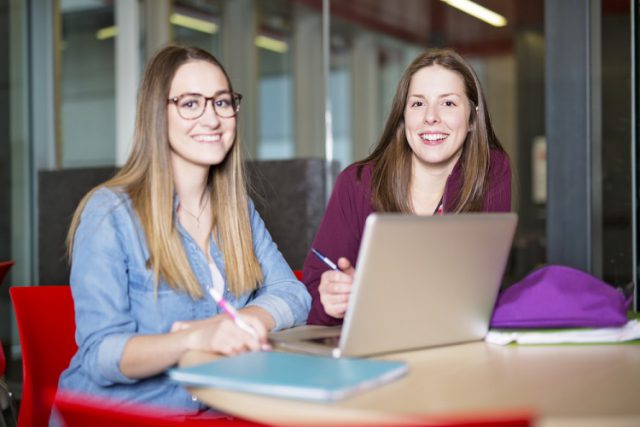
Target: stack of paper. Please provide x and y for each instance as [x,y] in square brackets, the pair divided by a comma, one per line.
[628,332]
[290,375]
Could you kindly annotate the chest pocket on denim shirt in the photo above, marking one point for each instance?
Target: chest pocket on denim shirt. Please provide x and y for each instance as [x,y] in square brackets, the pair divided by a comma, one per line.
[155,313]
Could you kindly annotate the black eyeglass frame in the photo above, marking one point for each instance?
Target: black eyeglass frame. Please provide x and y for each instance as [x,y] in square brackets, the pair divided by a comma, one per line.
[236,99]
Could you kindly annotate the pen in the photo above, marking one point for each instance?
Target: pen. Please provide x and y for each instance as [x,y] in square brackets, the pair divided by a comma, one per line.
[325,259]
[231,311]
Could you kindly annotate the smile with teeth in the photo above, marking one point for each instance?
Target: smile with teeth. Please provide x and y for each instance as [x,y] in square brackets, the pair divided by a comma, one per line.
[207,138]
[431,137]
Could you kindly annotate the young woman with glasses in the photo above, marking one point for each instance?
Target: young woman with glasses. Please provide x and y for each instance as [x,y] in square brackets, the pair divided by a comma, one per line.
[152,247]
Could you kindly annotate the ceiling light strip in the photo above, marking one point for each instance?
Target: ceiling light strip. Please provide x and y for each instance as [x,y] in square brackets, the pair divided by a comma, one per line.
[477,11]
[107,32]
[193,23]
[271,44]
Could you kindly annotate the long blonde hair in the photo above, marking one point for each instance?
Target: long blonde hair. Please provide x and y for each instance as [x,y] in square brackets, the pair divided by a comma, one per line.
[147,178]
[391,157]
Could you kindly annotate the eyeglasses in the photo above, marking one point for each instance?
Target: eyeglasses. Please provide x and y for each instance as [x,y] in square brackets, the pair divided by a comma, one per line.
[191,106]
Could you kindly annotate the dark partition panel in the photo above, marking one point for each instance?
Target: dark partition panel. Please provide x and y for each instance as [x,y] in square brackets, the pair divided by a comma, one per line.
[5,164]
[572,116]
[59,193]
[289,194]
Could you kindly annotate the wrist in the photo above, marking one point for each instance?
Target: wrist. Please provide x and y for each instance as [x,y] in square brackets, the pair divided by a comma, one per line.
[185,340]
[260,314]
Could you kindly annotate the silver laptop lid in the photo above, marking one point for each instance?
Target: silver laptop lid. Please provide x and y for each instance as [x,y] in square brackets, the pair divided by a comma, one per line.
[425,281]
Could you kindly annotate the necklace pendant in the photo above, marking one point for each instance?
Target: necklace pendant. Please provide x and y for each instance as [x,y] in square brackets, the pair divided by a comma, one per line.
[196,217]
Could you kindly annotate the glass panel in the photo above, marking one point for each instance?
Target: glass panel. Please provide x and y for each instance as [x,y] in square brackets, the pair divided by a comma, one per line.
[340,90]
[371,43]
[198,23]
[274,43]
[88,83]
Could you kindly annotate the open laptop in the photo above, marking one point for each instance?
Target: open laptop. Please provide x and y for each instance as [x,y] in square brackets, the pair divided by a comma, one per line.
[420,282]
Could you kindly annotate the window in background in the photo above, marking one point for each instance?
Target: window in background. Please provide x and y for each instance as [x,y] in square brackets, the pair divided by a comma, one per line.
[393,57]
[275,50]
[341,94]
[87,81]
[198,23]
[371,43]
[378,39]
[366,66]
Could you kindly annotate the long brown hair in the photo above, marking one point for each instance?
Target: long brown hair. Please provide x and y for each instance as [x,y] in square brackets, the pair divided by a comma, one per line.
[391,157]
[147,178]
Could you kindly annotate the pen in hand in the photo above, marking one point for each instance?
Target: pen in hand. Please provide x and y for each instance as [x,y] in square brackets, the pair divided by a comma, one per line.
[324,259]
[231,311]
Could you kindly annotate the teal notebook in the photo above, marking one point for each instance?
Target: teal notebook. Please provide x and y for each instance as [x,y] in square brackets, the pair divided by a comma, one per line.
[290,375]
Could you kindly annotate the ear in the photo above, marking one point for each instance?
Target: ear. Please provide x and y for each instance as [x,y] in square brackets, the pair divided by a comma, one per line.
[472,119]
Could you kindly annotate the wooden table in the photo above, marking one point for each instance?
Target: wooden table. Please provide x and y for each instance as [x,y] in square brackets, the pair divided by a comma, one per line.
[561,386]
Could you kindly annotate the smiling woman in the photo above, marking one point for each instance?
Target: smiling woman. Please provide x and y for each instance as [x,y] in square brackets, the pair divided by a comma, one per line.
[438,154]
[149,246]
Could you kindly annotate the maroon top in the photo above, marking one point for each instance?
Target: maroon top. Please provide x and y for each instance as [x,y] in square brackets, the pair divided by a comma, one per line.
[342,225]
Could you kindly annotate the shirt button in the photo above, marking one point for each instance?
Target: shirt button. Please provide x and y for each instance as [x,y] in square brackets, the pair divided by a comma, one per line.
[194,399]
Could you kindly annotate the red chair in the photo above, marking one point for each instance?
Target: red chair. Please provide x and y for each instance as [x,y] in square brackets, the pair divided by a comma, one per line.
[46,325]
[5,266]
[79,411]
[298,274]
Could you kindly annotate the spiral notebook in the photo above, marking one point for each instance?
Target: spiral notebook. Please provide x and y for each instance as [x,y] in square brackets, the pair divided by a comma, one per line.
[290,375]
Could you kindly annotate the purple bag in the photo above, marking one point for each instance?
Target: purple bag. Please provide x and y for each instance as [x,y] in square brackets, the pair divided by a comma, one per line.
[556,296]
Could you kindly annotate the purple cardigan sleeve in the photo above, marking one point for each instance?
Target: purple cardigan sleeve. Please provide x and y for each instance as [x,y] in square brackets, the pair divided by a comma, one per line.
[339,234]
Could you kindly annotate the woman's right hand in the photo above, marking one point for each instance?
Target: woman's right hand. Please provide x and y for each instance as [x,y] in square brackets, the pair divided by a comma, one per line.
[220,334]
[147,355]
[335,288]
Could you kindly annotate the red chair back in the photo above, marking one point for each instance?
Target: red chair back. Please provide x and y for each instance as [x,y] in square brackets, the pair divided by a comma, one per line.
[5,266]
[298,274]
[46,325]
[81,411]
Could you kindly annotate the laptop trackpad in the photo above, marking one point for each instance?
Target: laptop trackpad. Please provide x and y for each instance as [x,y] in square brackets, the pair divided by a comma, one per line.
[308,339]
[332,341]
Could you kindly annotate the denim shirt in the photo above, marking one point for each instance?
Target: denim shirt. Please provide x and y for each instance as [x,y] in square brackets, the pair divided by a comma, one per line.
[114,298]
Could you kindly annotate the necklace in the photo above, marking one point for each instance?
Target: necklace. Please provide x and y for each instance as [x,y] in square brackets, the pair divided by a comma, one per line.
[196,217]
